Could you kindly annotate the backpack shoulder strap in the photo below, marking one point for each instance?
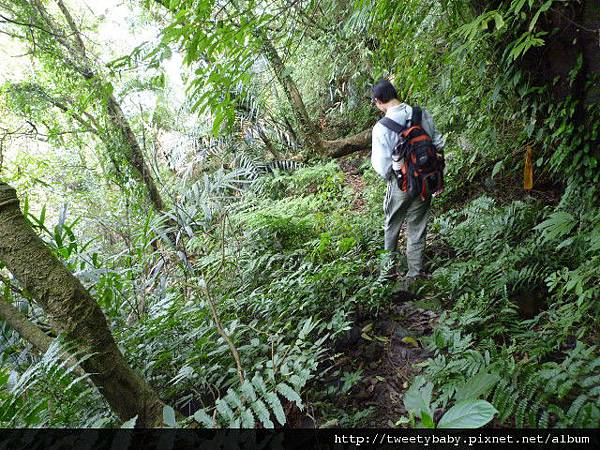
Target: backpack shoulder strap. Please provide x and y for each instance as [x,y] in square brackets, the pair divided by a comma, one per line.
[417,115]
[390,124]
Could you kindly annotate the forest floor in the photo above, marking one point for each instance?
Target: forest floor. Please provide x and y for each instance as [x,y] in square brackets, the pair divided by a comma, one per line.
[386,352]
[379,356]
[377,359]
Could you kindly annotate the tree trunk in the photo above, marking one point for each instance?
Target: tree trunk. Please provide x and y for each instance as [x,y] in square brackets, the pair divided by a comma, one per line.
[27,330]
[31,333]
[74,313]
[309,130]
[350,144]
[136,157]
[268,144]
[590,19]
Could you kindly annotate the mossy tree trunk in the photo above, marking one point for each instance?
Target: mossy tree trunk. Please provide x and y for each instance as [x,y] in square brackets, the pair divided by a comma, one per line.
[308,129]
[348,145]
[73,312]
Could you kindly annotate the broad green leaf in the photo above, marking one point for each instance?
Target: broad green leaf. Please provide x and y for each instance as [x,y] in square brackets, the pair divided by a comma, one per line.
[418,397]
[545,7]
[169,416]
[410,341]
[497,168]
[427,420]
[499,21]
[468,414]
[476,386]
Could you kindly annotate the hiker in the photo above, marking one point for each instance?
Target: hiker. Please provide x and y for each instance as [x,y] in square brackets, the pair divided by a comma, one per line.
[406,197]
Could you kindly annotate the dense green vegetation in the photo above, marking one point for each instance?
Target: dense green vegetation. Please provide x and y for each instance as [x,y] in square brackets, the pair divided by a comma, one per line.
[231,232]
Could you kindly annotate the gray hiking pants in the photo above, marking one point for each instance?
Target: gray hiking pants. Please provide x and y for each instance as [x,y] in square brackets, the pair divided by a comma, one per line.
[398,206]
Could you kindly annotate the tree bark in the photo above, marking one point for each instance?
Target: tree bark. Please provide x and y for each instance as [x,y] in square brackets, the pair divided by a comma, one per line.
[27,330]
[350,144]
[40,341]
[268,144]
[136,158]
[309,130]
[74,313]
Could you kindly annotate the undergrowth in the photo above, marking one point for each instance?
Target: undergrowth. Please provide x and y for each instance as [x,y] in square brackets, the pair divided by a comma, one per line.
[522,311]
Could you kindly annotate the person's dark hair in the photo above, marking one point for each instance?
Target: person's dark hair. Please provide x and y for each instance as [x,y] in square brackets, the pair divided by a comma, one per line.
[384,91]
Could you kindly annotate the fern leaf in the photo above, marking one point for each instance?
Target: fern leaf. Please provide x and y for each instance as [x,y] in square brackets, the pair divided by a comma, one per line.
[247,418]
[233,399]
[248,390]
[575,408]
[520,413]
[224,410]
[290,394]
[275,404]
[590,381]
[262,413]
[259,383]
[544,419]
[201,417]
[565,388]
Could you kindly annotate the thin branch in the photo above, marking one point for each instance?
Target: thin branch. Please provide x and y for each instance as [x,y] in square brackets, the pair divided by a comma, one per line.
[25,24]
[213,310]
[572,22]
[74,29]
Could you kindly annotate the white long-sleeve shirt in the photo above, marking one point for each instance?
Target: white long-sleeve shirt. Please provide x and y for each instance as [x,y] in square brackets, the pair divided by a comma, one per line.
[384,139]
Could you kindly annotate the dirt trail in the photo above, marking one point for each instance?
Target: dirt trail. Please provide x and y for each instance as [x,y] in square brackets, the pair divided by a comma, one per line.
[386,349]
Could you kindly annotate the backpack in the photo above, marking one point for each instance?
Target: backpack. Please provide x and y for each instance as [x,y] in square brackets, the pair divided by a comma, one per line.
[422,169]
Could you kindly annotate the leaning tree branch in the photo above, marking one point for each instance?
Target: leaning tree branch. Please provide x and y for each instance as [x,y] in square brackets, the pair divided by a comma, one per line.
[26,329]
[40,341]
[75,313]
[348,145]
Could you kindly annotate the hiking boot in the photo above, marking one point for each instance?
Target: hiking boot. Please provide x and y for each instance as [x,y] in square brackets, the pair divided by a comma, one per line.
[409,281]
